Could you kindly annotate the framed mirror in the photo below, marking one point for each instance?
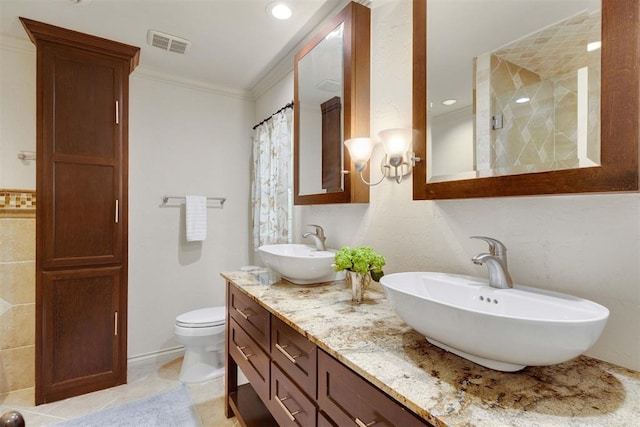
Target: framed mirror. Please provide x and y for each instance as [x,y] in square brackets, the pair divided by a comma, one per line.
[571,127]
[331,104]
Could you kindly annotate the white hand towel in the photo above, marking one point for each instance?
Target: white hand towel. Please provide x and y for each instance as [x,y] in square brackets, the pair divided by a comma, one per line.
[196,218]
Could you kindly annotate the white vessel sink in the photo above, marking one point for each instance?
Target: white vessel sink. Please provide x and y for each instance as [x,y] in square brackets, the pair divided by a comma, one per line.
[502,329]
[300,264]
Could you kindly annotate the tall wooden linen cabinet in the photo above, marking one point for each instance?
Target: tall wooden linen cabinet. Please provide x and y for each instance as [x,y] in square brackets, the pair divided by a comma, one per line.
[81,214]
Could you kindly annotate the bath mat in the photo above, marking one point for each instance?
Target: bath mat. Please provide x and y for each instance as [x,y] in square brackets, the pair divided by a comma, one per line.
[173,408]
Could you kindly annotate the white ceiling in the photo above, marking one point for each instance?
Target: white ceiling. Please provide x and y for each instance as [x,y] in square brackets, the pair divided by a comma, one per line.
[234,42]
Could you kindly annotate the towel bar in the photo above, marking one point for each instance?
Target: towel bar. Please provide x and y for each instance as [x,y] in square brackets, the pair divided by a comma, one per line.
[221,200]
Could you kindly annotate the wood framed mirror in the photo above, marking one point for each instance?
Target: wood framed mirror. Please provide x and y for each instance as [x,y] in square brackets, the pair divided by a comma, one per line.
[619,123]
[331,104]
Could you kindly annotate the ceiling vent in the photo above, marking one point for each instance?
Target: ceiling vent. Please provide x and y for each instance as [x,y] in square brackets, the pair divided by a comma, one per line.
[167,42]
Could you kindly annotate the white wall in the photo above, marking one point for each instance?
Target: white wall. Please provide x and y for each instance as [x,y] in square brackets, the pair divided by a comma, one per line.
[183,140]
[17,113]
[586,245]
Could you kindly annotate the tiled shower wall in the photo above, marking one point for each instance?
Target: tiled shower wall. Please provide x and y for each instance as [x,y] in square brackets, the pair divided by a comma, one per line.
[17,290]
[532,124]
[542,134]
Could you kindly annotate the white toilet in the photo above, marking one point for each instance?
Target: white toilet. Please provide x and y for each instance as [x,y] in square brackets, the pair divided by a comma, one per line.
[202,334]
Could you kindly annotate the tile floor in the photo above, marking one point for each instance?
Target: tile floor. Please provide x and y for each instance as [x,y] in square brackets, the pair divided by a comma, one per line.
[144,379]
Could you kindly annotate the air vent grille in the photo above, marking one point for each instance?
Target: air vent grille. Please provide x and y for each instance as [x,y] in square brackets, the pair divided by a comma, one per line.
[167,42]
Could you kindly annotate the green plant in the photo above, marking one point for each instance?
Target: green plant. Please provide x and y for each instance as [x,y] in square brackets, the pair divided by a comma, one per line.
[361,260]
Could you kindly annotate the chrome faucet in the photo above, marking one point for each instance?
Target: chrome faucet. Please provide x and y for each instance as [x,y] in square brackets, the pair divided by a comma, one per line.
[496,261]
[318,237]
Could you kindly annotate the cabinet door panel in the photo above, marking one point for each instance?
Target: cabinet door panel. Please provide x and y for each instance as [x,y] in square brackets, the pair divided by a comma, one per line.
[84,93]
[81,332]
[324,421]
[82,229]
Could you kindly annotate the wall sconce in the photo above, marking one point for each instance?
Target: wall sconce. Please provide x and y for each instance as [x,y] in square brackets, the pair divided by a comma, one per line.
[398,161]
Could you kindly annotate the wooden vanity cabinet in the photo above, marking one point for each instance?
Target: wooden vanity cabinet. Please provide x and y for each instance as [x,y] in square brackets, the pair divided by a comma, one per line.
[291,381]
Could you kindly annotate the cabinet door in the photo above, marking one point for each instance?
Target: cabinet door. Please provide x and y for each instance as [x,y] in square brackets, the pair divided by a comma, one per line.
[295,355]
[289,405]
[82,331]
[251,359]
[351,401]
[81,185]
[251,316]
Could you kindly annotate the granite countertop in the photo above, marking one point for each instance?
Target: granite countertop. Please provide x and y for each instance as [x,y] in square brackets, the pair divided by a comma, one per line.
[441,387]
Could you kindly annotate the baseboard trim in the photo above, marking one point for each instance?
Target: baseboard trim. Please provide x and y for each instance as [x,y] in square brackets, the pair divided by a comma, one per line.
[157,356]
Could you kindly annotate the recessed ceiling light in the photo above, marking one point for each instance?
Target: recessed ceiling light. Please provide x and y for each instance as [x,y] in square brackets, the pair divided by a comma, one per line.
[594,46]
[279,10]
[449,102]
[523,100]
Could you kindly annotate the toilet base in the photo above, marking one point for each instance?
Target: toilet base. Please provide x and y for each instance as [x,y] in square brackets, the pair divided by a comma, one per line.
[199,366]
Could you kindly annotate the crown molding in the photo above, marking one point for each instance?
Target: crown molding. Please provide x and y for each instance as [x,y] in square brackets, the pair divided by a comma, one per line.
[146,73]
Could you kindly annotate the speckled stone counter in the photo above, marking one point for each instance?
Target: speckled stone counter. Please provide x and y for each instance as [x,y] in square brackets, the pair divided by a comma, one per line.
[443,388]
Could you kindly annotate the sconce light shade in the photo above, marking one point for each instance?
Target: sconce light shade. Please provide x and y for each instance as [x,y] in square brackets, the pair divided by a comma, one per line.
[359,149]
[396,142]
[397,146]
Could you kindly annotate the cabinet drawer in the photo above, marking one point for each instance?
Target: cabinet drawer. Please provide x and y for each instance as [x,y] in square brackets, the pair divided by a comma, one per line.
[349,400]
[253,318]
[289,405]
[295,355]
[251,359]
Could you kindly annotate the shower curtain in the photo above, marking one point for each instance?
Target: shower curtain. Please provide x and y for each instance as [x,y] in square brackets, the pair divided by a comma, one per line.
[271,185]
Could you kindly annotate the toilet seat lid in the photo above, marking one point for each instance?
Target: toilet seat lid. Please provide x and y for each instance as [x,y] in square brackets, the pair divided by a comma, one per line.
[202,318]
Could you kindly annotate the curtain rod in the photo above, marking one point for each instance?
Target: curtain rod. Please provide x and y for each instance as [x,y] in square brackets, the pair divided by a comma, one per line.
[289,105]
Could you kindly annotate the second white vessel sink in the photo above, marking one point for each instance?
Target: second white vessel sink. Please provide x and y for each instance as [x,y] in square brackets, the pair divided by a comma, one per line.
[300,264]
[502,329]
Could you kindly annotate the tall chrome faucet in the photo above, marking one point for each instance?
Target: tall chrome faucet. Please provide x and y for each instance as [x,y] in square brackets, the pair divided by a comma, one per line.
[318,237]
[496,262]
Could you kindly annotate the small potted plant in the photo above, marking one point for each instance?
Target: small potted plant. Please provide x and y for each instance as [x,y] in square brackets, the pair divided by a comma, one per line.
[361,265]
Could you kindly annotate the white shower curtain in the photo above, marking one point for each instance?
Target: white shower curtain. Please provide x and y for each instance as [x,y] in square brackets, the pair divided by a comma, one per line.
[271,194]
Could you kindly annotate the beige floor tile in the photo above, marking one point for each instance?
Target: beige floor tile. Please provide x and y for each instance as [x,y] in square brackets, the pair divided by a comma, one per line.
[24,398]
[144,381]
[82,405]
[212,414]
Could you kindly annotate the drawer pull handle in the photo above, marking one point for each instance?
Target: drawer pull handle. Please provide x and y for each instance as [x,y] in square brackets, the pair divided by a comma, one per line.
[290,414]
[246,356]
[281,349]
[243,314]
[363,424]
